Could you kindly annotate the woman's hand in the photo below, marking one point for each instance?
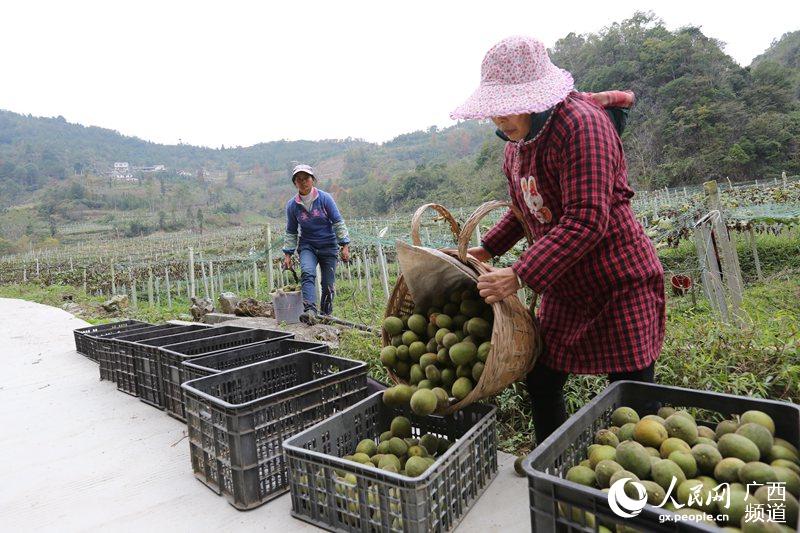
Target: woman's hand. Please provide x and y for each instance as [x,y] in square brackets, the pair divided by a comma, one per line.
[346,253]
[287,262]
[497,284]
[480,253]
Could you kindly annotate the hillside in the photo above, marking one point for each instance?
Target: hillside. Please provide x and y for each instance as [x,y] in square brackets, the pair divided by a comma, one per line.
[698,116]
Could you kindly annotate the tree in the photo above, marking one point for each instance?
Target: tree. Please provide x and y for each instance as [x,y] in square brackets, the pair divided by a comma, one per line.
[200,220]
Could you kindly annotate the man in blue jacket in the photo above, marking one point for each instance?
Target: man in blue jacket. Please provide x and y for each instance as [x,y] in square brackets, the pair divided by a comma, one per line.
[322,233]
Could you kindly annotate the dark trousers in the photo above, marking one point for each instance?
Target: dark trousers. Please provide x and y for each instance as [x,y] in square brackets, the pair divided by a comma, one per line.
[546,390]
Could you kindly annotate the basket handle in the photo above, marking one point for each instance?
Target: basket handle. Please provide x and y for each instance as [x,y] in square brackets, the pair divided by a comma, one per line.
[472,223]
[442,210]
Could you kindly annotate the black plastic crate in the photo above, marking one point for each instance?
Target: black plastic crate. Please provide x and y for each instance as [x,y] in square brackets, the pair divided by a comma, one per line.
[172,357]
[83,341]
[435,501]
[217,362]
[147,366]
[125,347]
[238,419]
[103,348]
[560,505]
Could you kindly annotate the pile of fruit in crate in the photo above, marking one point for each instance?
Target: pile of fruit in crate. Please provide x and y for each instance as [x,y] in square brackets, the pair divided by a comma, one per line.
[396,451]
[742,455]
[440,352]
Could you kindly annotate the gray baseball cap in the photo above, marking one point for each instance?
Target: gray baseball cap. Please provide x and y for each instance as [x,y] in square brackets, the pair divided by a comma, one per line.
[303,168]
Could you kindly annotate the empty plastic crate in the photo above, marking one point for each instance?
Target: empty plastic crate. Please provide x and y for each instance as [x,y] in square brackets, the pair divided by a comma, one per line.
[435,501]
[125,348]
[172,357]
[237,420]
[247,355]
[83,341]
[560,505]
[146,361]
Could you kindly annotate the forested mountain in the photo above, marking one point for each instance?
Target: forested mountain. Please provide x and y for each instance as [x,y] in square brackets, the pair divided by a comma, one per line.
[698,115]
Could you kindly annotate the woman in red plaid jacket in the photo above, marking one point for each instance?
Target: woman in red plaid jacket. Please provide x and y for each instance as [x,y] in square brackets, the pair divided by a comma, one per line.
[600,280]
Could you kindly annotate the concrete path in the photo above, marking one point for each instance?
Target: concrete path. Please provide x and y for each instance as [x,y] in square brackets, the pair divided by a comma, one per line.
[79,455]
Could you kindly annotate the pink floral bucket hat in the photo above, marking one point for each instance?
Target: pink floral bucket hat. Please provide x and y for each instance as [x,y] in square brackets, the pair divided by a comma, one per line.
[517,77]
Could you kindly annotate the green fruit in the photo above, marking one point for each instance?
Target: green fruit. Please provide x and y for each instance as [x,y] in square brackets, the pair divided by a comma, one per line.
[430,443]
[483,351]
[706,432]
[425,384]
[361,457]
[624,415]
[672,444]
[418,324]
[444,445]
[602,453]
[759,435]
[460,336]
[518,466]
[416,466]
[479,328]
[442,398]
[687,489]
[649,433]
[665,412]
[604,470]
[757,472]
[464,371]
[417,350]
[389,397]
[442,357]
[626,431]
[725,427]
[728,469]
[736,508]
[633,457]
[654,417]
[458,322]
[630,490]
[402,353]
[368,447]
[477,371]
[655,493]
[417,451]
[432,347]
[449,340]
[387,460]
[779,452]
[417,374]
[736,445]
[582,476]
[439,337]
[397,447]
[389,356]
[685,460]
[427,359]
[444,321]
[586,462]
[423,402]
[463,353]
[461,388]
[787,445]
[471,308]
[687,414]
[607,437]
[433,374]
[451,309]
[704,440]
[385,436]
[402,369]
[785,501]
[789,478]
[759,417]
[392,325]
[652,452]
[448,377]
[664,471]
[383,447]
[401,427]
[397,340]
[706,456]
[681,427]
[791,465]
[409,338]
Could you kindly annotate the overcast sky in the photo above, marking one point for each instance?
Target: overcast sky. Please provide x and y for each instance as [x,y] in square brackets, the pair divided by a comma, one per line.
[239,73]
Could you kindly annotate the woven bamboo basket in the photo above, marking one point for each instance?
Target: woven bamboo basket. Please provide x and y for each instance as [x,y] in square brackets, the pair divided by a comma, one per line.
[516,343]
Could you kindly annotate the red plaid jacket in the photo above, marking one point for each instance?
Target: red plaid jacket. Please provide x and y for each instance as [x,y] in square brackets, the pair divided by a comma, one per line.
[600,280]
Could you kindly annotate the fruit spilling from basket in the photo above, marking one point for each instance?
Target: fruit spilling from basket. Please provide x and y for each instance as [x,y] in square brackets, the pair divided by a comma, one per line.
[439,352]
[688,465]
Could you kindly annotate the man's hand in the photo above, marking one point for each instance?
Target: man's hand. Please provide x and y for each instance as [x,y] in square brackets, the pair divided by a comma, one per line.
[480,253]
[346,253]
[287,262]
[497,284]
